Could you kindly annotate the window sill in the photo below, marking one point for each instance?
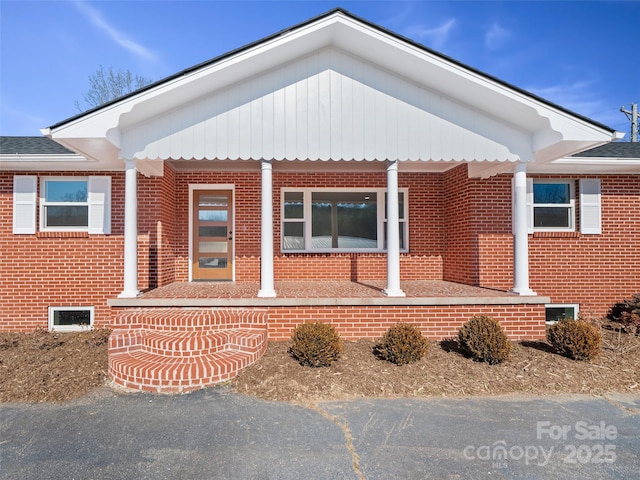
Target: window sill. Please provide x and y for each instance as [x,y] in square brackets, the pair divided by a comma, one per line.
[62,234]
[556,234]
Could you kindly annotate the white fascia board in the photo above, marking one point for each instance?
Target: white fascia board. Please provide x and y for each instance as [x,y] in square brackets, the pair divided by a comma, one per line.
[591,165]
[41,162]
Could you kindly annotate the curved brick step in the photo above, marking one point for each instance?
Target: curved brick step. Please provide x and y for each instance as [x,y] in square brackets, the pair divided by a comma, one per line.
[180,349]
[186,344]
[189,319]
[139,370]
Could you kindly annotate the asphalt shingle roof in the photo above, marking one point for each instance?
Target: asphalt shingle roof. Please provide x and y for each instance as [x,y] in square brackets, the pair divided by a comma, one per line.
[613,150]
[31,146]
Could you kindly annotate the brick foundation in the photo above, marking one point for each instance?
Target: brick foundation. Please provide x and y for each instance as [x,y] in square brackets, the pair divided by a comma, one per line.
[436,322]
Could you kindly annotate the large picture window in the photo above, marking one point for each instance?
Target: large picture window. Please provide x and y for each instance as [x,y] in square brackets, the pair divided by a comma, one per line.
[334,219]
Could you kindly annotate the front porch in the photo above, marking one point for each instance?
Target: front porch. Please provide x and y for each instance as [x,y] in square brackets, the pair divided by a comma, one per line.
[357,309]
[323,292]
[190,335]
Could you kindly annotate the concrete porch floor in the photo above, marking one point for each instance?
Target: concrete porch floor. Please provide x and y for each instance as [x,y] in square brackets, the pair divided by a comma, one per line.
[291,293]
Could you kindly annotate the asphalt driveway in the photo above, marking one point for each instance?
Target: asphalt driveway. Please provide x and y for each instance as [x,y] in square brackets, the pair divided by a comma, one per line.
[218,434]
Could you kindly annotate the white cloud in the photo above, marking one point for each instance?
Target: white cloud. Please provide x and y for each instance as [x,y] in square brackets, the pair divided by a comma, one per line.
[19,122]
[496,36]
[578,96]
[116,35]
[434,37]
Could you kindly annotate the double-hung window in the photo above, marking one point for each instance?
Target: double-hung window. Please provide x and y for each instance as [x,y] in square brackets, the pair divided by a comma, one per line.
[553,205]
[338,220]
[65,204]
[68,204]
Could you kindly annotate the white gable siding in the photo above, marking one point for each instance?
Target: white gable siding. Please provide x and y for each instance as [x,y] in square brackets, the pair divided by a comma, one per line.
[325,106]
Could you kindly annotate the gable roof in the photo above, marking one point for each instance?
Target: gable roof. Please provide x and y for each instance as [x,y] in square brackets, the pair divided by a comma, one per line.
[345,12]
[333,88]
[31,146]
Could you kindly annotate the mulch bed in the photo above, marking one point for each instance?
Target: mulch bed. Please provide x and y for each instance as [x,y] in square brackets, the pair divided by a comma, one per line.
[533,368]
[51,367]
[57,367]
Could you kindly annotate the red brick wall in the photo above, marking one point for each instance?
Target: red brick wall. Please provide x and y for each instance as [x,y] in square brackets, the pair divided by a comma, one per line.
[460,252]
[592,270]
[247,220]
[157,221]
[57,268]
[424,261]
[460,230]
[437,322]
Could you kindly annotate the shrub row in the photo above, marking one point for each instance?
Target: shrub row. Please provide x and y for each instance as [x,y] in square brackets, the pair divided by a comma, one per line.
[482,338]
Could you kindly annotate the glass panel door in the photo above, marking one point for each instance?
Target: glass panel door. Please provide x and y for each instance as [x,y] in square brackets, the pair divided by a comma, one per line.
[212,235]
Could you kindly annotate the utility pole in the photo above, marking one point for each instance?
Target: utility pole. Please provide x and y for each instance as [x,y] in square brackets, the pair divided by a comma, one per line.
[634,120]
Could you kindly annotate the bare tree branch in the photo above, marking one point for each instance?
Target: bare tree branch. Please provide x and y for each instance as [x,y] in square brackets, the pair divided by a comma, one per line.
[107,85]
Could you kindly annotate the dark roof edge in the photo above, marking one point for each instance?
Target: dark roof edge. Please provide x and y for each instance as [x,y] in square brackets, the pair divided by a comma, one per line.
[312,20]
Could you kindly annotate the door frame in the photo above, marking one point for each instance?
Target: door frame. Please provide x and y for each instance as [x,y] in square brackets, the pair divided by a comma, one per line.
[212,186]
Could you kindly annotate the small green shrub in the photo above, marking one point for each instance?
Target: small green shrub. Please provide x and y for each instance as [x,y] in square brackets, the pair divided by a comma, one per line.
[627,313]
[576,339]
[315,344]
[402,344]
[483,338]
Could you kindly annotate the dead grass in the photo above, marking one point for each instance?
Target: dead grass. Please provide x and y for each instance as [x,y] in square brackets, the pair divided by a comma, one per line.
[50,367]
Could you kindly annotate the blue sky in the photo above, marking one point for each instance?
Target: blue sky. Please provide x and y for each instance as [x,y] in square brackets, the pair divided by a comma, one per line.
[582,55]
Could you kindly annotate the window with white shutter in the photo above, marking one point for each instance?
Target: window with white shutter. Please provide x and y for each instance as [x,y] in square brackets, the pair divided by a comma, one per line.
[77,204]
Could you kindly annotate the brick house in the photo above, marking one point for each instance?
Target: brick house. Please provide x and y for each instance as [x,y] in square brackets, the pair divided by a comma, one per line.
[334,171]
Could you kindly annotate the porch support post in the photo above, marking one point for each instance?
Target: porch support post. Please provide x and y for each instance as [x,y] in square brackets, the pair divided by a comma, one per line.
[267,289]
[130,231]
[393,233]
[521,236]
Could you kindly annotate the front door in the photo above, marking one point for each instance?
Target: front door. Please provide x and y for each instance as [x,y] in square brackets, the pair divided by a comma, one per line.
[212,236]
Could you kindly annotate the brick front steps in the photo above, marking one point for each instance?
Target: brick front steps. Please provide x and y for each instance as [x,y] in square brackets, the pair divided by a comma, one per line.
[170,350]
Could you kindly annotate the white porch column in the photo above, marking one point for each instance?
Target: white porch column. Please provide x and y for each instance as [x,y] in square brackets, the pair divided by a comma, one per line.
[520,234]
[267,289]
[393,233]
[130,231]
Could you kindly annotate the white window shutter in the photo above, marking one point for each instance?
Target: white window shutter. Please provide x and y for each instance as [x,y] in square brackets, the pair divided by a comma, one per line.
[590,206]
[24,204]
[99,205]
